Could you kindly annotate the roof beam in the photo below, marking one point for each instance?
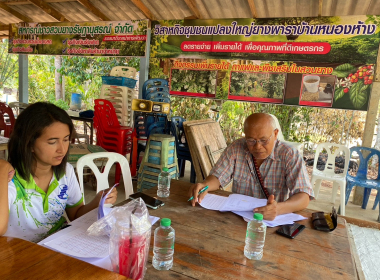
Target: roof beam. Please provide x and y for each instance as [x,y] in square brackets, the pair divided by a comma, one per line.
[320,8]
[252,7]
[4,27]
[15,13]
[144,9]
[49,10]
[94,10]
[16,3]
[193,8]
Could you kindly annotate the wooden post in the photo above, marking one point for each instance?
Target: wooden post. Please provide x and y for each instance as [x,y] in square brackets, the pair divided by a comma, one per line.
[370,123]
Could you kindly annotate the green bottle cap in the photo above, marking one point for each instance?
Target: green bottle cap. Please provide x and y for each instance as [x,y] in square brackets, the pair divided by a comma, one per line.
[165,169]
[258,216]
[165,222]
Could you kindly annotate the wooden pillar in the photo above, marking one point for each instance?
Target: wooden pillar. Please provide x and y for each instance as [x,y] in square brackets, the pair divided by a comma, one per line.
[23,77]
[370,124]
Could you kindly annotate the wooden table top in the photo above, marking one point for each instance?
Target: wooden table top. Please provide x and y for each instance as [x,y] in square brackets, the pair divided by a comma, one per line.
[20,259]
[210,245]
[3,143]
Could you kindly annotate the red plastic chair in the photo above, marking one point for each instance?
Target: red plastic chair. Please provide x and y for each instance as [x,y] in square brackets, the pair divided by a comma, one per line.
[109,133]
[7,126]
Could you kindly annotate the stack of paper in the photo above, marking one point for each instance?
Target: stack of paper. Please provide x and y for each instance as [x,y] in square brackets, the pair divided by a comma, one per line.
[243,206]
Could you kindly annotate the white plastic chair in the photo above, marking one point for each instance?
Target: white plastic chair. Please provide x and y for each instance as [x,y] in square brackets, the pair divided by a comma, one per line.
[102,178]
[339,180]
[123,71]
[280,136]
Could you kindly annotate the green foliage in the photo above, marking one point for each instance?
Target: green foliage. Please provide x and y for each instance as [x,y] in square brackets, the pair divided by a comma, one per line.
[193,81]
[8,66]
[359,94]
[338,93]
[344,70]
[275,85]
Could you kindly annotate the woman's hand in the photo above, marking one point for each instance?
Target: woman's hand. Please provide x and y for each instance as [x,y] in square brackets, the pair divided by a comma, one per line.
[111,198]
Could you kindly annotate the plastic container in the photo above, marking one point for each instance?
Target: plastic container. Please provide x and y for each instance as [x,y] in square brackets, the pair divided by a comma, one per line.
[76,101]
[119,81]
[164,183]
[255,238]
[163,249]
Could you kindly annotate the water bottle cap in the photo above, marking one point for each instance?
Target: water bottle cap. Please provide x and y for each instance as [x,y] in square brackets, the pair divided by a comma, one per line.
[258,216]
[166,222]
[165,169]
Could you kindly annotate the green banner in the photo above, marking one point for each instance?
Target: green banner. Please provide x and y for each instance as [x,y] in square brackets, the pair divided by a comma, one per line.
[116,38]
[343,39]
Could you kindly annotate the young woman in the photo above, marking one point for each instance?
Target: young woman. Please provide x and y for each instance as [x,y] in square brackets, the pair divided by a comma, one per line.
[37,185]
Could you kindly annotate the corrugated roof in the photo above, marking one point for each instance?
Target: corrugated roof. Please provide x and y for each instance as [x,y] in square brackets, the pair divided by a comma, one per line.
[12,11]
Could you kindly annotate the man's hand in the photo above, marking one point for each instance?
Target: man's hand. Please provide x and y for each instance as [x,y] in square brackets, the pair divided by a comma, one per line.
[270,211]
[193,192]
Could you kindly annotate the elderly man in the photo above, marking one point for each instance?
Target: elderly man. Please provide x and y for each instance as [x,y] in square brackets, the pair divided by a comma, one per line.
[261,166]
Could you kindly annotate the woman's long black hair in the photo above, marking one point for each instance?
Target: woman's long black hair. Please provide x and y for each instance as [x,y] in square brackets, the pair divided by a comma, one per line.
[28,127]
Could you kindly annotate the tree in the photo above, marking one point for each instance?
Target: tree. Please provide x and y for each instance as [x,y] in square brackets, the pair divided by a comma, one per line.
[8,66]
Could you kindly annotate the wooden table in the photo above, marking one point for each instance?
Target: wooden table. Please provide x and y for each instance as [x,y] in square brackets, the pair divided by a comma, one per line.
[4,145]
[87,122]
[209,245]
[20,259]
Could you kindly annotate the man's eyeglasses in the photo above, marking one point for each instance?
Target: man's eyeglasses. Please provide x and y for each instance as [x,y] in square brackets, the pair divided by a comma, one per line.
[252,142]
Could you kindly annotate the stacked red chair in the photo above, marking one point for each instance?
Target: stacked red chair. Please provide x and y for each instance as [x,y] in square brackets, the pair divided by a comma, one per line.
[6,124]
[110,134]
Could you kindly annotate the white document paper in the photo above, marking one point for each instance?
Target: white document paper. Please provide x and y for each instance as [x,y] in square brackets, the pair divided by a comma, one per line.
[78,243]
[75,242]
[240,202]
[285,219]
[213,202]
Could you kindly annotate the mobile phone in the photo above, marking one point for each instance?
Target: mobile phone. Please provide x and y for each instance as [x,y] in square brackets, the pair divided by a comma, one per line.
[290,231]
[151,202]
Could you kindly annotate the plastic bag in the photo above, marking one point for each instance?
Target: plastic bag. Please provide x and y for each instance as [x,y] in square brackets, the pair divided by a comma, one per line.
[129,228]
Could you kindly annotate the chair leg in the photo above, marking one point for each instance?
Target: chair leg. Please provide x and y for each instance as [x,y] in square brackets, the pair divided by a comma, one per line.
[334,191]
[181,165]
[316,187]
[348,191]
[367,192]
[377,199]
[342,198]
[192,174]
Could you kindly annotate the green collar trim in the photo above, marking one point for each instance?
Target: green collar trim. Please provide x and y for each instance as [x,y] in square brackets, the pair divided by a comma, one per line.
[32,185]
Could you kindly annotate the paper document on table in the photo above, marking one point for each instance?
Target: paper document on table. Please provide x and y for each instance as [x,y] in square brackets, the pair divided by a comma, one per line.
[213,202]
[284,219]
[78,243]
[240,202]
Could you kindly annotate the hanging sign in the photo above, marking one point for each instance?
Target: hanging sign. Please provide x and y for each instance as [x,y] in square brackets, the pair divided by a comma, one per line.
[321,62]
[112,38]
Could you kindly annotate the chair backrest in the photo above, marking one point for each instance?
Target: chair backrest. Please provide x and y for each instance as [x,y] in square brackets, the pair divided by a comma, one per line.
[153,82]
[102,177]
[105,113]
[17,106]
[363,165]
[330,163]
[6,110]
[123,71]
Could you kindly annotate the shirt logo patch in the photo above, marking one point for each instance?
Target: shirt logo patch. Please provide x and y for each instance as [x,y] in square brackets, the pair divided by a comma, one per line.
[63,193]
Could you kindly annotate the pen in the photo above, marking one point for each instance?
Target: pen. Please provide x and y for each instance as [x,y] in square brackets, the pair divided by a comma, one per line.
[201,191]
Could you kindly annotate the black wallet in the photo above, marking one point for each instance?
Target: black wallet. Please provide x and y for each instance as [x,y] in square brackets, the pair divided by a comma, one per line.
[325,222]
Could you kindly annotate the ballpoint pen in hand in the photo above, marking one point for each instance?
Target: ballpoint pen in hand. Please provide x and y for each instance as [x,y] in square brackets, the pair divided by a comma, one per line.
[201,191]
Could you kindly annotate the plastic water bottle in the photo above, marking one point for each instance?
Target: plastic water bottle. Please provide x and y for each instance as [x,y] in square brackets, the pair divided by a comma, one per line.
[164,183]
[255,238]
[163,249]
